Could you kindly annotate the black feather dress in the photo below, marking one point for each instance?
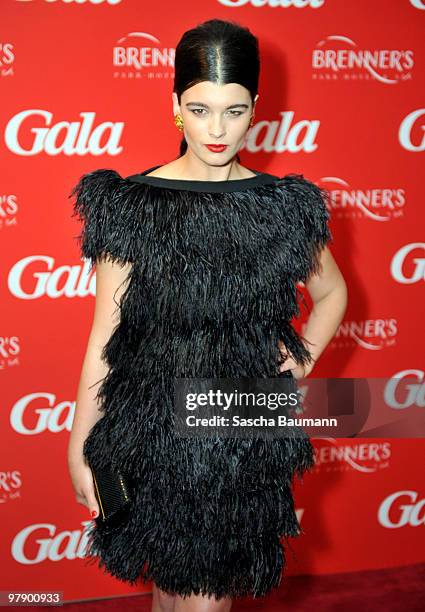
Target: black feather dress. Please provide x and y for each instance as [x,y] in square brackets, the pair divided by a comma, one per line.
[212,289]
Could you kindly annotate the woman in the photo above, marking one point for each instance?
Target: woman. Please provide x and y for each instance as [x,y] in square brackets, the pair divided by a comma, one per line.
[197,266]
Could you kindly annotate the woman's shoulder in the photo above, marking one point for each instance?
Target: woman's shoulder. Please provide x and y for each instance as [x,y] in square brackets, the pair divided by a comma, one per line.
[105,189]
[105,206]
[97,195]
[96,184]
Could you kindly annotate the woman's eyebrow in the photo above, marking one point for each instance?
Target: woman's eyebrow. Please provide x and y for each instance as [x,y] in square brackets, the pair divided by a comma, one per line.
[206,105]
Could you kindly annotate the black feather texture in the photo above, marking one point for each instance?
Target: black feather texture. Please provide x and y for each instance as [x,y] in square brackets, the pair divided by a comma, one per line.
[212,289]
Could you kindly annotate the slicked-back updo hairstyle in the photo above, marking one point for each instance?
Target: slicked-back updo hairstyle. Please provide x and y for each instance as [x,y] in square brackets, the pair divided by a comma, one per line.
[218,51]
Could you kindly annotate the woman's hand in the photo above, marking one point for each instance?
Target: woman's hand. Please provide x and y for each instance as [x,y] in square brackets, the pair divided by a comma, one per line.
[82,482]
[298,370]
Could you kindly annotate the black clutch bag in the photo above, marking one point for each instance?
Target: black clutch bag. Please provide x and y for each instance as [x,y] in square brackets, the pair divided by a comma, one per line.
[112,491]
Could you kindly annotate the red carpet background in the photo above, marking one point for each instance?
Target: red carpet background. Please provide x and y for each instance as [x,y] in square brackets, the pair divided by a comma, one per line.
[87,84]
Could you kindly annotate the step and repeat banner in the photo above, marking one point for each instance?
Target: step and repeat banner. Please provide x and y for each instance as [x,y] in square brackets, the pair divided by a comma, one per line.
[87,84]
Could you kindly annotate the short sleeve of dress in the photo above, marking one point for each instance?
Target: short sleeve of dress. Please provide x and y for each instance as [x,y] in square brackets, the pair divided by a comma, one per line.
[107,231]
[310,216]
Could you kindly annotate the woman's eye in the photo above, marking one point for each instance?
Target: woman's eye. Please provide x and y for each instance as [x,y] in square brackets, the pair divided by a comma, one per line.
[201,111]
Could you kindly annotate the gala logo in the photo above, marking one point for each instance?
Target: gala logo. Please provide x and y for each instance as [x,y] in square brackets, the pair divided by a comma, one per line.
[111,2]
[393,513]
[406,268]
[274,3]
[29,279]
[36,413]
[47,541]
[283,135]
[409,125]
[62,137]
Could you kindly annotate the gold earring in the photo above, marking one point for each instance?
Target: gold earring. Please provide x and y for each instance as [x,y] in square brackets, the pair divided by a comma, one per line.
[178,120]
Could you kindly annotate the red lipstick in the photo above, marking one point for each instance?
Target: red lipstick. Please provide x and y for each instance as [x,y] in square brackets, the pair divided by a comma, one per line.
[216,148]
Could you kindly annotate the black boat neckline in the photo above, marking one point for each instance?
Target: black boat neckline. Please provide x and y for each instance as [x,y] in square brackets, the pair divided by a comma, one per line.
[259,178]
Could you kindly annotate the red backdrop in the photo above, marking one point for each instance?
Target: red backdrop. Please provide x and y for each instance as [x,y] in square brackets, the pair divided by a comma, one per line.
[87,84]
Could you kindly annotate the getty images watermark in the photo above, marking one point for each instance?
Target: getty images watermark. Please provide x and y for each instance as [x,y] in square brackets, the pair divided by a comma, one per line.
[288,407]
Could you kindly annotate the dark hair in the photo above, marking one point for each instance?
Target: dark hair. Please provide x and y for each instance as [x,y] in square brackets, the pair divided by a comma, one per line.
[218,51]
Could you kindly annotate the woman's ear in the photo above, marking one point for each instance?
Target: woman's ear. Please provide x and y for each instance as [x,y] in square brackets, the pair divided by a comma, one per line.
[176,105]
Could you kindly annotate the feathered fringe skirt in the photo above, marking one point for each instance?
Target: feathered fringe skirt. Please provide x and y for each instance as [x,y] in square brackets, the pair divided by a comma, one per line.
[217,535]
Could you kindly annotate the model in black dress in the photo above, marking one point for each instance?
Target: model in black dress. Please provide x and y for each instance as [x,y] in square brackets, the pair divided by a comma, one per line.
[212,290]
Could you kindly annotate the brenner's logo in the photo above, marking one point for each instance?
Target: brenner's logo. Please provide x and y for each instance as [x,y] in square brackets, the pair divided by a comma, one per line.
[365,457]
[138,54]
[338,56]
[374,203]
[7,59]
[369,334]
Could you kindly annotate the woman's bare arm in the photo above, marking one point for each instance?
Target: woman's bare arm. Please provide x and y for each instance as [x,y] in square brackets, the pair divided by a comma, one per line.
[111,282]
[329,293]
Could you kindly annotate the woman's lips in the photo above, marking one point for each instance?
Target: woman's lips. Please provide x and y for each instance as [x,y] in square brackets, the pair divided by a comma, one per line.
[216,148]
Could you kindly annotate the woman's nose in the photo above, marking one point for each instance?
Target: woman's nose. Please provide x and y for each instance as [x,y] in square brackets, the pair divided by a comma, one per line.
[216,128]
